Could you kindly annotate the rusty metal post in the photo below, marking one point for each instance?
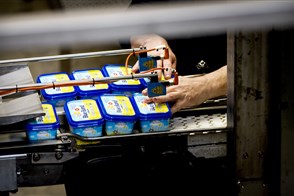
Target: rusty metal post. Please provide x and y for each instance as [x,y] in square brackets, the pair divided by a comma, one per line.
[248,109]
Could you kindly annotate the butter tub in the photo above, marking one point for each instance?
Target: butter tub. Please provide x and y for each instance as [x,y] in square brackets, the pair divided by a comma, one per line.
[153,117]
[128,86]
[58,95]
[118,112]
[43,127]
[84,117]
[89,91]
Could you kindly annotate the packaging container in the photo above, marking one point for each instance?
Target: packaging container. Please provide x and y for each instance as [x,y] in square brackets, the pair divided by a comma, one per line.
[153,117]
[43,127]
[58,95]
[84,117]
[122,86]
[89,91]
[118,112]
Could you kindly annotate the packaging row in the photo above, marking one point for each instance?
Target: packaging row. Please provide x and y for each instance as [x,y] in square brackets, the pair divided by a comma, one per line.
[59,95]
[108,114]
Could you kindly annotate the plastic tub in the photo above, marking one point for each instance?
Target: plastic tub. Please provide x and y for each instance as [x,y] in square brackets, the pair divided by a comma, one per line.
[84,117]
[58,95]
[43,127]
[119,114]
[122,86]
[89,91]
[154,117]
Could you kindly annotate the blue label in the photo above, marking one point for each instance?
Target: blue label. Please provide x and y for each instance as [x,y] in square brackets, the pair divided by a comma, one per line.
[42,135]
[155,89]
[94,131]
[147,63]
[119,128]
[154,125]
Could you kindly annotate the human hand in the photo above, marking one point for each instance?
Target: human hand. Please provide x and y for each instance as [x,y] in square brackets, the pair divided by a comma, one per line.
[189,92]
[193,91]
[151,41]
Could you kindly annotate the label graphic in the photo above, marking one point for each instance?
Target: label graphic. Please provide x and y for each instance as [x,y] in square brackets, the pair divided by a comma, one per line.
[118,105]
[88,75]
[82,110]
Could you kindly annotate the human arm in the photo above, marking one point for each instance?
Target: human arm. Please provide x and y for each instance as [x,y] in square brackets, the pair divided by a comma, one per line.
[150,41]
[194,91]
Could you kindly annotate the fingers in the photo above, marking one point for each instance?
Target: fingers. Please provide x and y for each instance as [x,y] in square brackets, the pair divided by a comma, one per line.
[167,71]
[172,97]
[176,107]
[145,92]
[135,68]
[163,98]
[167,65]
[168,90]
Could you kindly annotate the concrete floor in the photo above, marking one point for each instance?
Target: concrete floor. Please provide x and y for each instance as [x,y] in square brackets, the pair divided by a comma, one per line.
[53,190]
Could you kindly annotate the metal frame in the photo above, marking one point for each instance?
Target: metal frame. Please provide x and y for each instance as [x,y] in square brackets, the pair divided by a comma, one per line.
[173,20]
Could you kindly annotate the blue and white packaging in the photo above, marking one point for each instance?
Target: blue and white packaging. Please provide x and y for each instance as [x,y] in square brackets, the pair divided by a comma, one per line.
[84,117]
[58,95]
[43,127]
[154,117]
[89,91]
[119,114]
[128,86]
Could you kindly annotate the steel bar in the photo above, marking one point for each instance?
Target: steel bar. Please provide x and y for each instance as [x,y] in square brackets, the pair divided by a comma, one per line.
[93,81]
[13,156]
[72,56]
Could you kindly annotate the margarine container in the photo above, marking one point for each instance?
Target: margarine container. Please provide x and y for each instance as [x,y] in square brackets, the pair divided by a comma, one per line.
[84,117]
[43,127]
[128,86]
[57,95]
[153,117]
[118,112]
[89,91]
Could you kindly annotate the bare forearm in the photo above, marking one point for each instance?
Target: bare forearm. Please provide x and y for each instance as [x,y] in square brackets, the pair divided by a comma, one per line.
[216,83]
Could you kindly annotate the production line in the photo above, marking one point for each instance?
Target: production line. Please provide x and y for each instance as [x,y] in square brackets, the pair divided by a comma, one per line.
[41,161]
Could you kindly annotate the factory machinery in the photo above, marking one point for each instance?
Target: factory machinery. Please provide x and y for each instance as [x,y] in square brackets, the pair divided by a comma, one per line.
[243,141]
[199,132]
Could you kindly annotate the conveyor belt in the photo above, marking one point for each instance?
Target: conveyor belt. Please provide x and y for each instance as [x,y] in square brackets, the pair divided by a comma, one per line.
[212,123]
[197,121]
[202,132]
